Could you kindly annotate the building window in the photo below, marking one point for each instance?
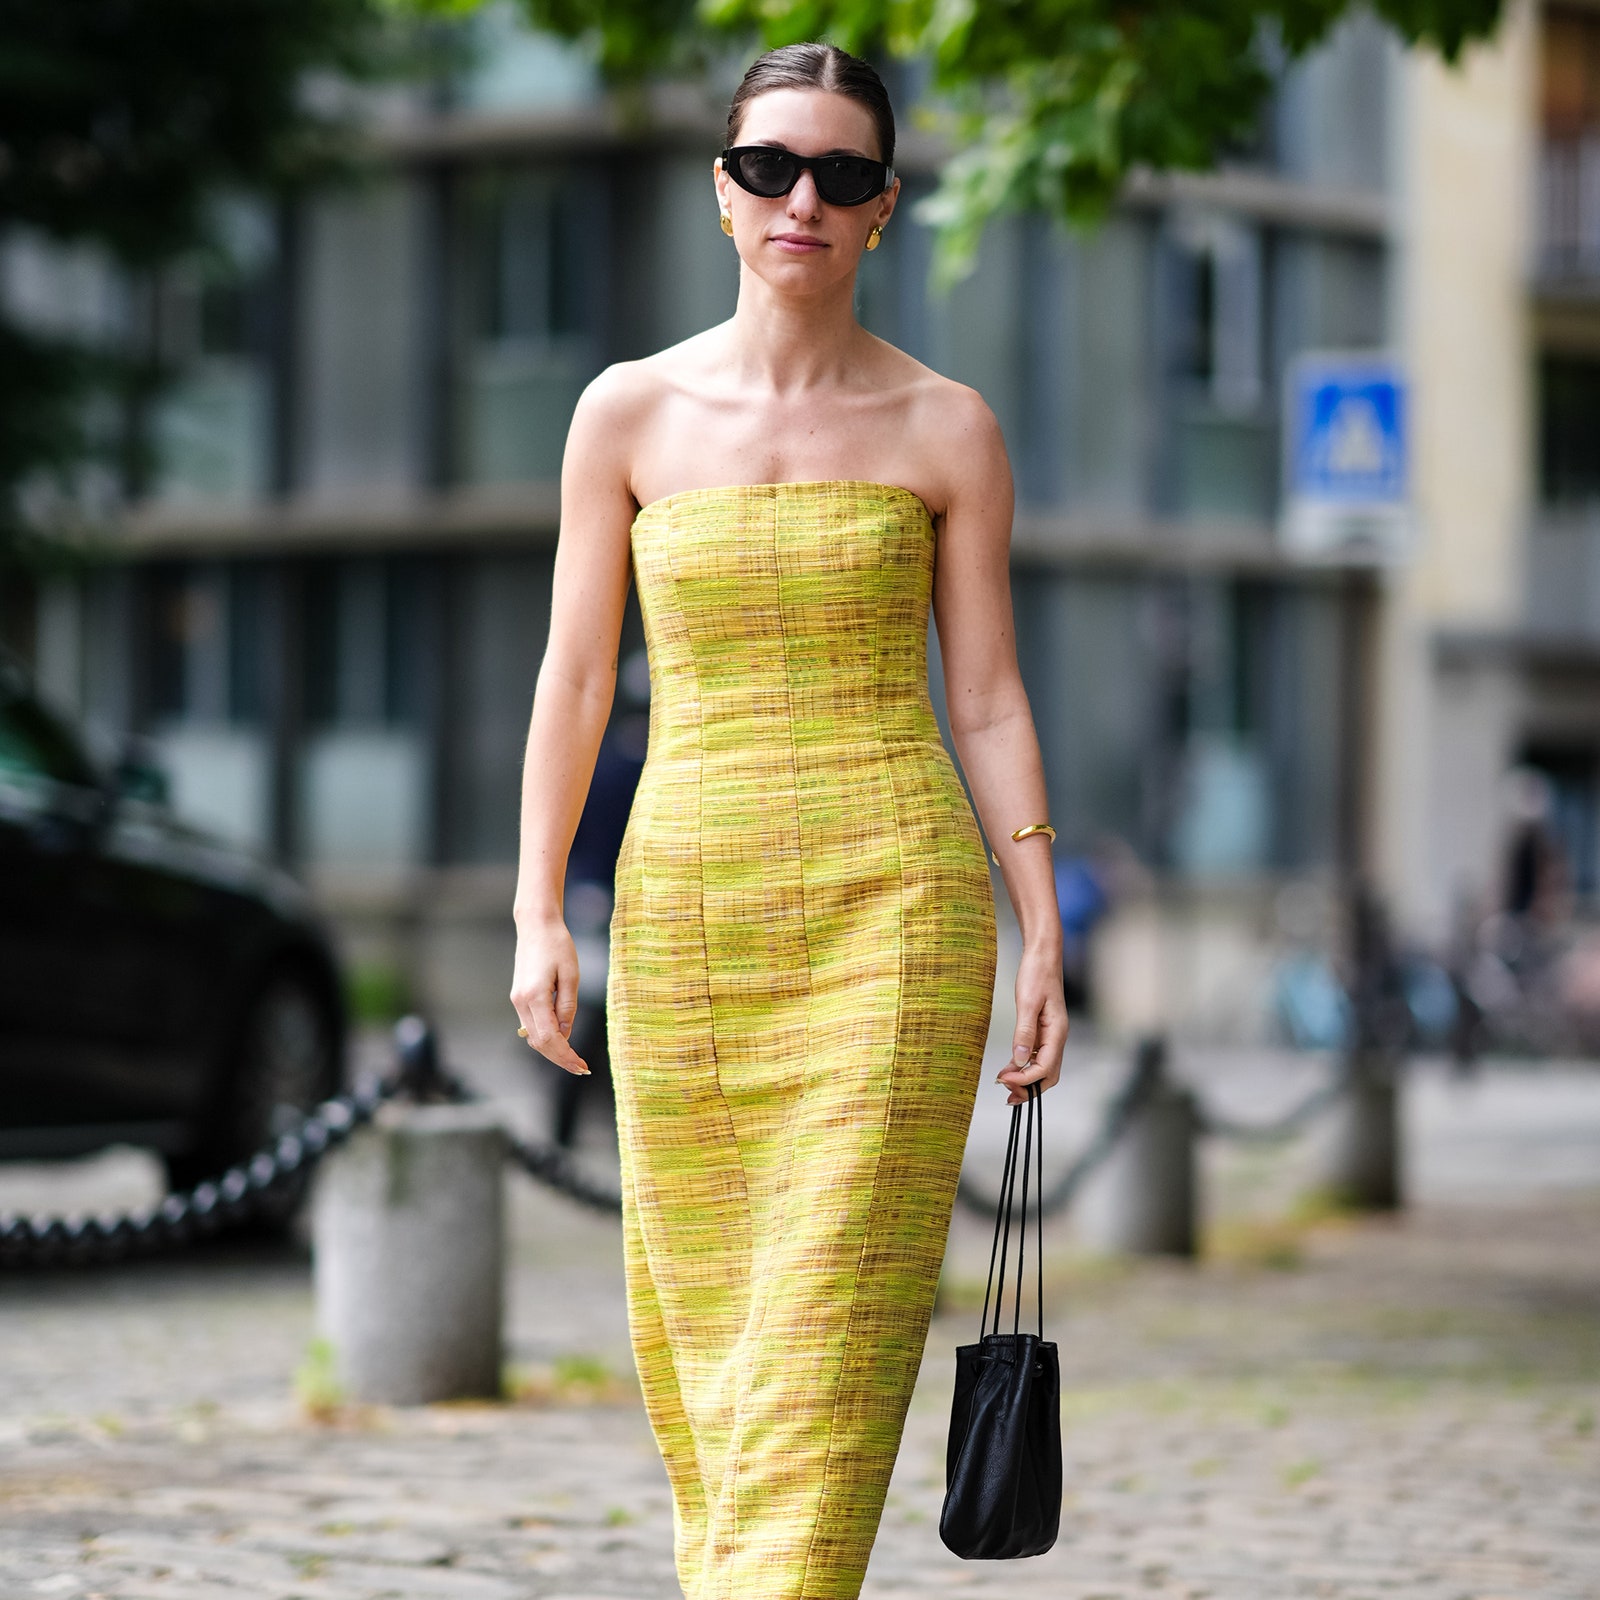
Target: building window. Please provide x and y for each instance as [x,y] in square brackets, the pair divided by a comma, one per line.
[531,286]
[1217,310]
[538,251]
[363,640]
[210,429]
[1569,430]
[1211,743]
[363,790]
[1222,442]
[204,644]
[1569,177]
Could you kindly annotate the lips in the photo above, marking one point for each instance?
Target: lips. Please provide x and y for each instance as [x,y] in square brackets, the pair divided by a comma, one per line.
[799,240]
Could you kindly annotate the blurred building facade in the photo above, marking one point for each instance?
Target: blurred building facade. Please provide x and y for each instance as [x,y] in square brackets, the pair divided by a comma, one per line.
[329,608]
[1490,656]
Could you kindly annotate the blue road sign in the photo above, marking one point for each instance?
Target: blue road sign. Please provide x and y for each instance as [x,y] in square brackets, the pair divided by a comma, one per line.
[1348,437]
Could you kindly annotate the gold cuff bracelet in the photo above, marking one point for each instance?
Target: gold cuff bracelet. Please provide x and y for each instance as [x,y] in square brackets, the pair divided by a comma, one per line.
[1035,827]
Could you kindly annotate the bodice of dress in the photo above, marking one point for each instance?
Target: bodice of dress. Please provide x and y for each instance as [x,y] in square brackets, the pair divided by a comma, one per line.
[796,611]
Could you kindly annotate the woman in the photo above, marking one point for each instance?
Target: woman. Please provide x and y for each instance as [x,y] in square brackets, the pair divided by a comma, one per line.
[802,950]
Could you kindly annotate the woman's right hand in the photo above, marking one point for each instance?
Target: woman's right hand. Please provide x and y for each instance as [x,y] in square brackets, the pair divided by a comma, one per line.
[544,990]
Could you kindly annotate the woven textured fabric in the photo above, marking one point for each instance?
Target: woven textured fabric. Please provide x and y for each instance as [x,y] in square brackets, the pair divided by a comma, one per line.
[802,968]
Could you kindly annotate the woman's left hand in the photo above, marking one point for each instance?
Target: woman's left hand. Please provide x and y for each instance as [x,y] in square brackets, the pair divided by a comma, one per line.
[1042,1026]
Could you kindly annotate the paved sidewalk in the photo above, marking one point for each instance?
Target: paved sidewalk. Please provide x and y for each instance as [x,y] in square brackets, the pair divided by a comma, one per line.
[1342,1411]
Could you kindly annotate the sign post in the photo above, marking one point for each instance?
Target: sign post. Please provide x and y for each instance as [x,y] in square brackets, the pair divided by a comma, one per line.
[1347,502]
[1346,460]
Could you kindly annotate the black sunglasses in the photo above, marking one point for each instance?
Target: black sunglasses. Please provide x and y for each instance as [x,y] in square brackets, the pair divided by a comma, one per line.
[769,171]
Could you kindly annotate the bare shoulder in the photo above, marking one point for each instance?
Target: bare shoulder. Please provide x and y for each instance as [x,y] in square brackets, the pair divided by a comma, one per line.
[619,396]
[623,406]
[959,440]
[597,465]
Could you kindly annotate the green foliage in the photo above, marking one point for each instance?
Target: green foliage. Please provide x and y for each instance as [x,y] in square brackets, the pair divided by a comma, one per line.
[121,123]
[316,1382]
[376,992]
[1046,104]
[122,119]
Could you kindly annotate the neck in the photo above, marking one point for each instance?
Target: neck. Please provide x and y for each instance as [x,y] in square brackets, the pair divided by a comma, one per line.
[790,343]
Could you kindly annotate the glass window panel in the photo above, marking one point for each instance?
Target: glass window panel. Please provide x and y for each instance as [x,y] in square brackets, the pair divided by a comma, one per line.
[1569,430]
[358,418]
[166,608]
[210,427]
[499,622]
[247,643]
[1223,442]
[363,619]
[1203,713]
[1332,109]
[538,248]
[1328,294]
[512,65]
[405,641]
[189,642]
[1109,401]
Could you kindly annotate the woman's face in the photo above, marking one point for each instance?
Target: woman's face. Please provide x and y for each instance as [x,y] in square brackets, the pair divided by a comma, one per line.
[798,240]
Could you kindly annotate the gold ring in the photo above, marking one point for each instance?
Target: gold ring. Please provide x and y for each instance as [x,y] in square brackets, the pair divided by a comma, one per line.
[522,1033]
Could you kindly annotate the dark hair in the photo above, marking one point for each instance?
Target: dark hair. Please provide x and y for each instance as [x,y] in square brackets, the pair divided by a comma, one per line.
[817,66]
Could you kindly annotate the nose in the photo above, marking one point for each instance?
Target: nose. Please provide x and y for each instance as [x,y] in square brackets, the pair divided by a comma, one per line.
[803,198]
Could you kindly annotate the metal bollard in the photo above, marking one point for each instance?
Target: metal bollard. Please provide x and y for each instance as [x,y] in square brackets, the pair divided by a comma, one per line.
[1360,1148]
[408,1239]
[1142,1199]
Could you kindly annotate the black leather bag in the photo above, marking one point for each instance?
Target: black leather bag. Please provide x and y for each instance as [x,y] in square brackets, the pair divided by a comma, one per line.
[1003,1466]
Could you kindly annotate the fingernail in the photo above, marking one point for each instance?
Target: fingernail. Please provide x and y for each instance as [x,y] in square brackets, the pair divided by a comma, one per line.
[1021,1054]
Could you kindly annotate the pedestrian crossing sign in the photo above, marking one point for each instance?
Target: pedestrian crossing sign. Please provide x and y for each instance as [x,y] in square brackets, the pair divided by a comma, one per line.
[1346,459]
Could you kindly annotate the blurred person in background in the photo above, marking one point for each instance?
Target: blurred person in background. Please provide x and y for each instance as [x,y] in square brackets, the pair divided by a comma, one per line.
[1535,868]
[1083,895]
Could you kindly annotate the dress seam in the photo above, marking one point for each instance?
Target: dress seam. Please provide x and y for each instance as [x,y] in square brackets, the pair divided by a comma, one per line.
[889,1097]
[794,1118]
[705,963]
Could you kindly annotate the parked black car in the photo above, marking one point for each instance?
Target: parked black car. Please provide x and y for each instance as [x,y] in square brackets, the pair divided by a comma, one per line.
[158,987]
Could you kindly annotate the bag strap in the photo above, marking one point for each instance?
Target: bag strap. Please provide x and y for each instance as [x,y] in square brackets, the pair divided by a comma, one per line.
[1032,1131]
[1002,1211]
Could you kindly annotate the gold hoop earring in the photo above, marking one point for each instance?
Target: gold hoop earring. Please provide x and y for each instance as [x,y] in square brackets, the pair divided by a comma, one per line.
[727,224]
[874,237]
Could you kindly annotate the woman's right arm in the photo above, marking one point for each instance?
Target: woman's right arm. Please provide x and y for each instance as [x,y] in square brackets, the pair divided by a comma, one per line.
[571,703]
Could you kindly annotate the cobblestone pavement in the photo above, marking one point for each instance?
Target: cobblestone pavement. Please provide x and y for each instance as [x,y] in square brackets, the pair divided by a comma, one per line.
[1323,1408]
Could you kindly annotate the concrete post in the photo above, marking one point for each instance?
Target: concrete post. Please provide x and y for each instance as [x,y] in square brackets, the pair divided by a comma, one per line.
[408,1239]
[1142,1198]
[1360,1148]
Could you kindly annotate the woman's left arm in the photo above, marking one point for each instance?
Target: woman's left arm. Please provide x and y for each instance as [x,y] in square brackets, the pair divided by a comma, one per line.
[992,725]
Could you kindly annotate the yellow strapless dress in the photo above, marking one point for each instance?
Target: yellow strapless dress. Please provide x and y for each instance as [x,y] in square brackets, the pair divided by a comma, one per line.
[802,967]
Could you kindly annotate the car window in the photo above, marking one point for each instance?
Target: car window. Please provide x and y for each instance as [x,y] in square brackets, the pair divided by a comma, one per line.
[34,745]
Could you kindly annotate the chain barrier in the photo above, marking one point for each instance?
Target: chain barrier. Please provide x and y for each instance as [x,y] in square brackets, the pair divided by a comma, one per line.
[1141,1084]
[1284,1126]
[242,1193]
[550,1164]
[265,1182]
[1145,1080]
